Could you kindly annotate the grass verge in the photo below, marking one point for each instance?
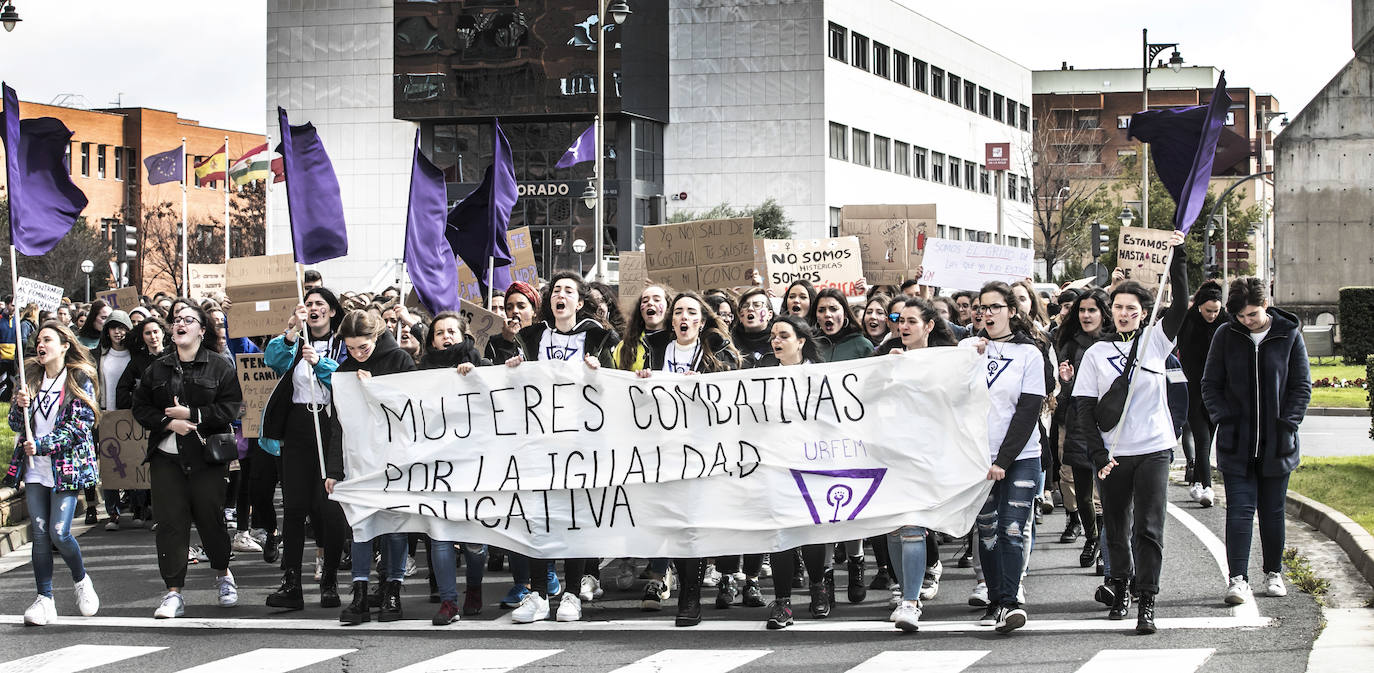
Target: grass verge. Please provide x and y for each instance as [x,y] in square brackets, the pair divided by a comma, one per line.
[1339,482]
[1350,398]
[1299,571]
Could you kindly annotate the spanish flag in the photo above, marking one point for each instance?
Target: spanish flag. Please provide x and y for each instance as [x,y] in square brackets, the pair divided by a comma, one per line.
[212,168]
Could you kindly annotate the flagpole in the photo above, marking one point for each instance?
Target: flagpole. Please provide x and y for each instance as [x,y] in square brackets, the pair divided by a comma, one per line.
[185,223]
[19,344]
[491,278]
[226,199]
[266,203]
[314,383]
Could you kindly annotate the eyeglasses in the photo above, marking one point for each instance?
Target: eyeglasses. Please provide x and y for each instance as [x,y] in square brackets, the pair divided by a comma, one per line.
[992,308]
[185,320]
[756,305]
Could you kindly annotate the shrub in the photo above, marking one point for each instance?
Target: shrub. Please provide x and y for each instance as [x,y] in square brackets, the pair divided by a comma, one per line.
[1369,376]
[1357,323]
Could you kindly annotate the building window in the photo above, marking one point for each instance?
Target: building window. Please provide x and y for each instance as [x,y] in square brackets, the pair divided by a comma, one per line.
[918,74]
[1025,190]
[859,51]
[1011,112]
[954,165]
[1230,118]
[860,147]
[984,102]
[984,180]
[100,161]
[1123,121]
[901,68]
[901,158]
[956,234]
[940,230]
[132,164]
[838,134]
[1025,118]
[998,107]
[834,222]
[954,85]
[970,96]
[937,167]
[970,175]
[882,57]
[881,153]
[85,160]
[839,37]
[937,82]
[67,158]
[1011,186]
[1086,122]
[918,159]
[1122,154]
[119,163]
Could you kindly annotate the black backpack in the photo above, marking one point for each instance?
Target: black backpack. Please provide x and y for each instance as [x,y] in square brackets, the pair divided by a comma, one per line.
[1110,407]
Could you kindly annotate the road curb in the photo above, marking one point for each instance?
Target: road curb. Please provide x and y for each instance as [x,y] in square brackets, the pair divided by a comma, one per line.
[1337,411]
[1357,543]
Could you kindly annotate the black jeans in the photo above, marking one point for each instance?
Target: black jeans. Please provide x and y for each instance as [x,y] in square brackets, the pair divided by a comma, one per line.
[302,494]
[729,565]
[1139,482]
[262,488]
[1199,436]
[1246,495]
[785,568]
[184,498]
[573,570]
[1083,483]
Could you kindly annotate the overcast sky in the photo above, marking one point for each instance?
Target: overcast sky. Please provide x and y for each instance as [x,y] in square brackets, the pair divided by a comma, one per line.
[207,60]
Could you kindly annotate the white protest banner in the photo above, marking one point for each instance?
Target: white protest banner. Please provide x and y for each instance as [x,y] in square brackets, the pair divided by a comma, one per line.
[207,280]
[121,447]
[967,265]
[29,291]
[555,460]
[1144,252]
[825,262]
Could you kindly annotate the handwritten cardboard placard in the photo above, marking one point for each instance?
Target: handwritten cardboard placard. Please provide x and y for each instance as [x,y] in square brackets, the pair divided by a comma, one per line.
[669,246]
[967,265]
[522,266]
[825,262]
[257,381]
[1144,252]
[633,278]
[723,241]
[29,291]
[207,280]
[482,324]
[121,445]
[264,291]
[124,299]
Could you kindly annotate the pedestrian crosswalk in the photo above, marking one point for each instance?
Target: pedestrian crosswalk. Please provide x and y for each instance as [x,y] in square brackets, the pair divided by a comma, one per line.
[76,658]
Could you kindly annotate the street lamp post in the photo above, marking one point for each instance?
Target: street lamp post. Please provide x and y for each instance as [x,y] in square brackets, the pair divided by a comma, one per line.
[87,266]
[618,10]
[1150,51]
[9,17]
[579,246]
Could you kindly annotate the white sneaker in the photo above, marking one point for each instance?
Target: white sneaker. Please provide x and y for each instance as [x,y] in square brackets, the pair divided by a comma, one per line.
[895,600]
[930,585]
[569,608]
[86,600]
[1021,594]
[1239,591]
[1207,497]
[589,590]
[740,578]
[410,566]
[979,597]
[42,612]
[1195,491]
[937,571]
[259,535]
[670,581]
[173,605]
[228,590]
[907,616]
[112,525]
[625,574]
[1273,585]
[319,568]
[712,577]
[245,542]
[766,570]
[532,608]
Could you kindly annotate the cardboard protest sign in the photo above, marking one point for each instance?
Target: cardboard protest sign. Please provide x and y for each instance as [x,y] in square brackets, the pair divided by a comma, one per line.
[633,277]
[678,279]
[29,291]
[669,246]
[522,267]
[482,324]
[701,254]
[1143,251]
[121,445]
[967,265]
[892,238]
[207,280]
[257,381]
[123,299]
[264,291]
[825,262]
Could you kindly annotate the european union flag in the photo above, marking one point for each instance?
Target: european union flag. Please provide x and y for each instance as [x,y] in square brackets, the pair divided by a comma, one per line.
[169,166]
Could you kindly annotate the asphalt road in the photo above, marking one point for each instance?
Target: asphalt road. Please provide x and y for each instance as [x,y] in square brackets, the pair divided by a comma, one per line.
[1067,630]
[1336,436]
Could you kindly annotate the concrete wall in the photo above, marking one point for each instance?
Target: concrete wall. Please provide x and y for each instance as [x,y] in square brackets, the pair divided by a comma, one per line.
[1324,173]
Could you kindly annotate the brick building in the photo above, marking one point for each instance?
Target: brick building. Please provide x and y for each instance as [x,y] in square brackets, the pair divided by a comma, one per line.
[106,161]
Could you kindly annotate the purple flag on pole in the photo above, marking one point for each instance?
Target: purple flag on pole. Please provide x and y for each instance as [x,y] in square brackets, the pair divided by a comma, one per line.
[43,202]
[1184,144]
[429,259]
[477,225]
[312,194]
[167,166]
[583,149]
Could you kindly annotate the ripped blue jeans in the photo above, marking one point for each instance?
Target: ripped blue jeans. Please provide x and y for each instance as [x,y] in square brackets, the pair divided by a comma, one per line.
[50,520]
[1004,527]
[907,548]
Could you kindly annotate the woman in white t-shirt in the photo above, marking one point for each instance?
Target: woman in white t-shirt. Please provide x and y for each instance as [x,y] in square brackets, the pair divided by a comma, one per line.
[1133,458]
[112,357]
[1015,376]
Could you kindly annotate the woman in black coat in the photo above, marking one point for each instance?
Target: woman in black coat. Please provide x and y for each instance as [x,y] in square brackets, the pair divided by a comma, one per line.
[1085,325]
[1204,317]
[1256,387]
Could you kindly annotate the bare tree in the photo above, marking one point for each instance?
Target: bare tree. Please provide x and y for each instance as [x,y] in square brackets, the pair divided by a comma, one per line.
[160,245]
[62,265]
[249,218]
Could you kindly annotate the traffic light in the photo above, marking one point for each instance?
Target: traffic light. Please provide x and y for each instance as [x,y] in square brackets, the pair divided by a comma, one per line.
[125,246]
[1097,236]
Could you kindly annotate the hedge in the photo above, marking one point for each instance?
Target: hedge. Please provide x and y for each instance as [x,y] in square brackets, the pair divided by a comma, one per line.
[1357,323]
[1369,386]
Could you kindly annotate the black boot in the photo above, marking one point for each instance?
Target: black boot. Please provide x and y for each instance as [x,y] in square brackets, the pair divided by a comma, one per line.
[882,581]
[1071,530]
[375,598]
[288,596]
[799,579]
[1121,606]
[1145,614]
[271,552]
[329,589]
[689,598]
[830,585]
[858,591]
[357,611]
[820,600]
[1089,554]
[391,601]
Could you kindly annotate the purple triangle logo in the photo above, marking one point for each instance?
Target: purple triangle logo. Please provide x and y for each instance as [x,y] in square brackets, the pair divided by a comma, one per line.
[842,493]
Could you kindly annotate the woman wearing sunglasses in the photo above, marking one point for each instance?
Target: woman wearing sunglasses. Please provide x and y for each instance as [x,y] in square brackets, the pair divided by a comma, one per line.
[874,321]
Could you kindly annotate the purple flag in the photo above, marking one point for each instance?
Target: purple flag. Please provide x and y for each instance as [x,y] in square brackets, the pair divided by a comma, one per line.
[583,149]
[43,202]
[429,259]
[1184,144]
[169,166]
[477,225]
[312,194]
